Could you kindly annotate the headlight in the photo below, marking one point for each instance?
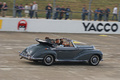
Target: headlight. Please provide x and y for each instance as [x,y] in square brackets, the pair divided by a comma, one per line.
[28,52]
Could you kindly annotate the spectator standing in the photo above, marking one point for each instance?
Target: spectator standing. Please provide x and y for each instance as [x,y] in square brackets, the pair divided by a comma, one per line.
[107,12]
[57,12]
[0,8]
[67,12]
[96,12]
[4,9]
[35,9]
[17,10]
[49,11]
[115,13]
[26,10]
[84,13]
[20,10]
[62,11]
[31,11]
[101,14]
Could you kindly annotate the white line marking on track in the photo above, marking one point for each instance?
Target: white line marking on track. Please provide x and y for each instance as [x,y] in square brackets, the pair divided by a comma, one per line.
[12,40]
[6,46]
[112,36]
[9,48]
[5,69]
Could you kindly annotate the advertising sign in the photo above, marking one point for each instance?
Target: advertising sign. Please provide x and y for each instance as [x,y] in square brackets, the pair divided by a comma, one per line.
[100,27]
[0,24]
[59,26]
[22,24]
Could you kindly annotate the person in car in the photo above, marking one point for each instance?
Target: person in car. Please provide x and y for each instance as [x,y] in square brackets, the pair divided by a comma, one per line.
[57,42]
[49,40]
[61,42]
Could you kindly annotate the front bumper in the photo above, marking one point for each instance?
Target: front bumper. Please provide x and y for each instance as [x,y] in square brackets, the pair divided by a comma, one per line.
[29,57]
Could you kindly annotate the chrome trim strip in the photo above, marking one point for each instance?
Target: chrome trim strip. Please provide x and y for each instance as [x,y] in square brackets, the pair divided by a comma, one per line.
[23,56]
[93,46]
[37,58]
[31,58]
[71,60]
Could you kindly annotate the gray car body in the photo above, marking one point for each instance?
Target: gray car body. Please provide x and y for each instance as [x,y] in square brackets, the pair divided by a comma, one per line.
[77,53]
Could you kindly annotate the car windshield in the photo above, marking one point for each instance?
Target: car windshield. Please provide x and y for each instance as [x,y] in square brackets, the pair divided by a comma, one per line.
[76,43]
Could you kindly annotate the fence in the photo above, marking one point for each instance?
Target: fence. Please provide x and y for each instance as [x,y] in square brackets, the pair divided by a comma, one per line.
[72,15]
[76,7]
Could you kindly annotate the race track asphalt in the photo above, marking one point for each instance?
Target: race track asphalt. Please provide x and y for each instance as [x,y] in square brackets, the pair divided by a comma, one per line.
[12,68]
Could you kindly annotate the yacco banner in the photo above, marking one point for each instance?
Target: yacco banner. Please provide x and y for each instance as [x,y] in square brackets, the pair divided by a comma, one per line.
[75,26]
[100,27]
[0,24]
[59,26]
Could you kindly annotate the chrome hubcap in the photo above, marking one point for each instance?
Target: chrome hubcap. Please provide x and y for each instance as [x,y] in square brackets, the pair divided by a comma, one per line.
[95,60]
[48,59]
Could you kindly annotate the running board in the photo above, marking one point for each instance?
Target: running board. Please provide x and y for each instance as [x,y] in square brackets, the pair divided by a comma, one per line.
[71,60]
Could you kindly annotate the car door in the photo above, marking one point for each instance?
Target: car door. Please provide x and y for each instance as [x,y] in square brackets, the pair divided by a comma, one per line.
[67,53]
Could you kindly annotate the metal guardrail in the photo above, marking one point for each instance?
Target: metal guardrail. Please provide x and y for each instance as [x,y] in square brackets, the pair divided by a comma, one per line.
[71,14]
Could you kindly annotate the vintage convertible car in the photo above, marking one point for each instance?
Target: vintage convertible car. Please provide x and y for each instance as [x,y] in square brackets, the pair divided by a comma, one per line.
[48,52]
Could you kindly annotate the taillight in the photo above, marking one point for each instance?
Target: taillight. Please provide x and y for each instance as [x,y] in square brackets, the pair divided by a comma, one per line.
[46,48]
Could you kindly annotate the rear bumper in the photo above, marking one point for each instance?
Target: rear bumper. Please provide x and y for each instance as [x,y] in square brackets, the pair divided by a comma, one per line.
[29,57]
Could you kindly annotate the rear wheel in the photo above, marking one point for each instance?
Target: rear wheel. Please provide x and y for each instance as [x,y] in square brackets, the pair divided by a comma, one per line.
[48,60]
[94,60]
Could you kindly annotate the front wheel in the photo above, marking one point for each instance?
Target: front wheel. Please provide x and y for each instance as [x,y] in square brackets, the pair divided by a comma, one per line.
[48,60]
[94,60]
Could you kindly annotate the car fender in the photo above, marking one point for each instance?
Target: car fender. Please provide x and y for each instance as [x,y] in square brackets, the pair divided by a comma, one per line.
[42,54]
[86,54]
[53,53]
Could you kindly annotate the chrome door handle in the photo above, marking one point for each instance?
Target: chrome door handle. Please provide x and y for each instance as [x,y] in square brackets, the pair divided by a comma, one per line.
[60,51]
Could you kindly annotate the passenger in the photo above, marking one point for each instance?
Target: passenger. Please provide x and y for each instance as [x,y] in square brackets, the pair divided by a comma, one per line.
[57,42]
[52,41]
[61,42]
[48,39]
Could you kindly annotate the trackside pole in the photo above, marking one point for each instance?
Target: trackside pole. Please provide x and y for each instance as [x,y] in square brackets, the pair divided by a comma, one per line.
[89,10]
[119,14]
[53,12]
[14,11]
